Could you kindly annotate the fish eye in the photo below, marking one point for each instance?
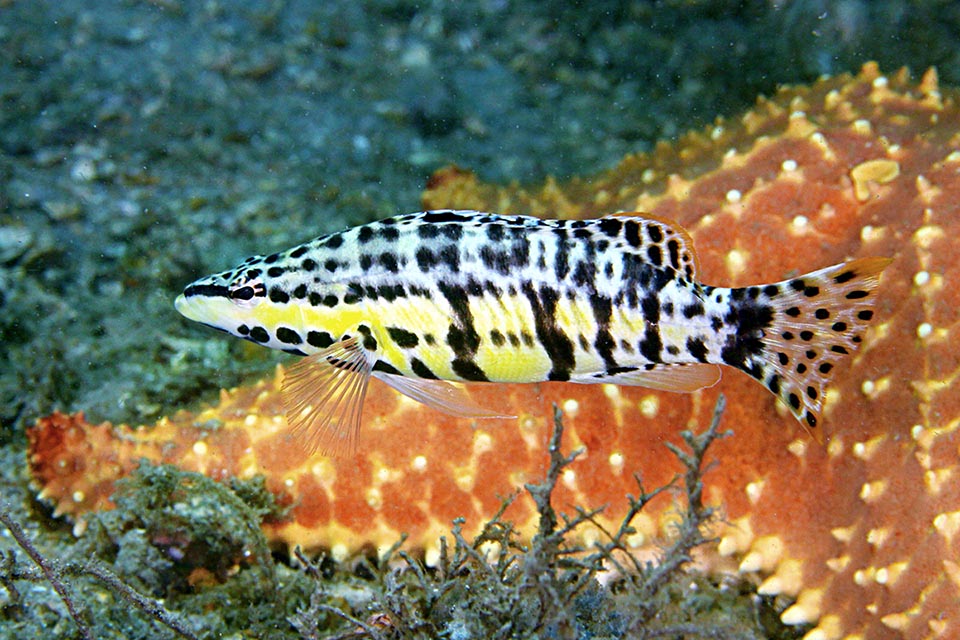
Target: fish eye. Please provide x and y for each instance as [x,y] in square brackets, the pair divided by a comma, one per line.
[243,291]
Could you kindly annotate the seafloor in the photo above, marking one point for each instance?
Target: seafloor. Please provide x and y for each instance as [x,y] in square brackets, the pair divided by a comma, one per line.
[143,144]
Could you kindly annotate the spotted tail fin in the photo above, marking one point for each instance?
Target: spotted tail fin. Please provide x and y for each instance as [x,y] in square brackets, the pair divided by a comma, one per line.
[818,320]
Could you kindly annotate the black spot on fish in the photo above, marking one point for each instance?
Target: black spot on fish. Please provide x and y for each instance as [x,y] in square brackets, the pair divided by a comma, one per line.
[774,384]
[452,232]
[811,291]
[771,290]
[494,260]
[674,248]
[846,276]
[315,299]
[391,292]
[259,334]
[308,264]
[697,348]
[369,342]
[428,232]
[243,330]
[651,346]
[300,292]
[811,419]
[288,336]
[495,232]
[334,241]
[450,256]
[331,265]
[468,370]
[651,310]
[839,349]
[806,335]
[278,295]
[422,370]
[825,368]
[798,284]
[513,338]
[784,358]
[386,367]
[794,400]
[655,255]
[299,251]
[821,314]
[425,259]
[561,262]
[655,233]
[839,326]
[403,338]
[270,259]
[632,233]
[866,314]
[390,233]
[389,261]
[437,217]
[365,234]
[793,312]
[856,295]
[584,275]
[694,310]
[812,393]
[330,301]
[276,272]
[555,342]
[366,261]
[497,338]
[610,226]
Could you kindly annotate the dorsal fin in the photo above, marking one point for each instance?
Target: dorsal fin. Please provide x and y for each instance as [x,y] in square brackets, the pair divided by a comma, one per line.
[641,231]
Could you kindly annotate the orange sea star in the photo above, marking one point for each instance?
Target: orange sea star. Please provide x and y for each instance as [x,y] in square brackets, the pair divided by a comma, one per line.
[864,531]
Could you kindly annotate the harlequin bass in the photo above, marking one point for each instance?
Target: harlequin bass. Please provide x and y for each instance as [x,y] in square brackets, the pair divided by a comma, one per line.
[421,299]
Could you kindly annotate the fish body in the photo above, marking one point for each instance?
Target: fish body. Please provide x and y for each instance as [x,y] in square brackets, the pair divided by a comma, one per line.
[420,299]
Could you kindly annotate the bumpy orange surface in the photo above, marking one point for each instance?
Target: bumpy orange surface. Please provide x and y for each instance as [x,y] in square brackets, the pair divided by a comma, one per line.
[863,531]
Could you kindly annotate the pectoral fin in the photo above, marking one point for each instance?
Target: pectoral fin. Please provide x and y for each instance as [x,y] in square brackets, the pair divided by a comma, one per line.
[323,398]
[440,395]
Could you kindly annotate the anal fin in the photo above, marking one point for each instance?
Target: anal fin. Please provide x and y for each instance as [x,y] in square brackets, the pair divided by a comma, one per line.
[440,395]
[683,378]
[323,398]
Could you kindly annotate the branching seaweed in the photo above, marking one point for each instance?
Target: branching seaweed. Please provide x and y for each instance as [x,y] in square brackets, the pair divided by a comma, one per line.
[496,587]
[55,574]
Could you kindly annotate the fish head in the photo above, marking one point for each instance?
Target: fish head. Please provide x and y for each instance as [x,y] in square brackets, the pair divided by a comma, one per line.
[251,301]
[225,301]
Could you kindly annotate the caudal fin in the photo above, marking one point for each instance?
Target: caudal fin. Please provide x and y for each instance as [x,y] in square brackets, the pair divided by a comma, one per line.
[818,320]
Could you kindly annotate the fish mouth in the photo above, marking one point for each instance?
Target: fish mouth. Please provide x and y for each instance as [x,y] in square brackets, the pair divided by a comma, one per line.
[183,306]
[190,303]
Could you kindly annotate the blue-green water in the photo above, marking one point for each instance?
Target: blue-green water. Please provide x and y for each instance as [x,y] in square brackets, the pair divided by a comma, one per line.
[143,144]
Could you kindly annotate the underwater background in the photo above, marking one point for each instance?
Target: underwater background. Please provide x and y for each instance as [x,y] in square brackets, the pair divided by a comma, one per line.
[143,144]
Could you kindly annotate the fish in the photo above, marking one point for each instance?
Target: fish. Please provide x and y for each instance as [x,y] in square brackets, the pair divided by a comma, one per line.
[424,300]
